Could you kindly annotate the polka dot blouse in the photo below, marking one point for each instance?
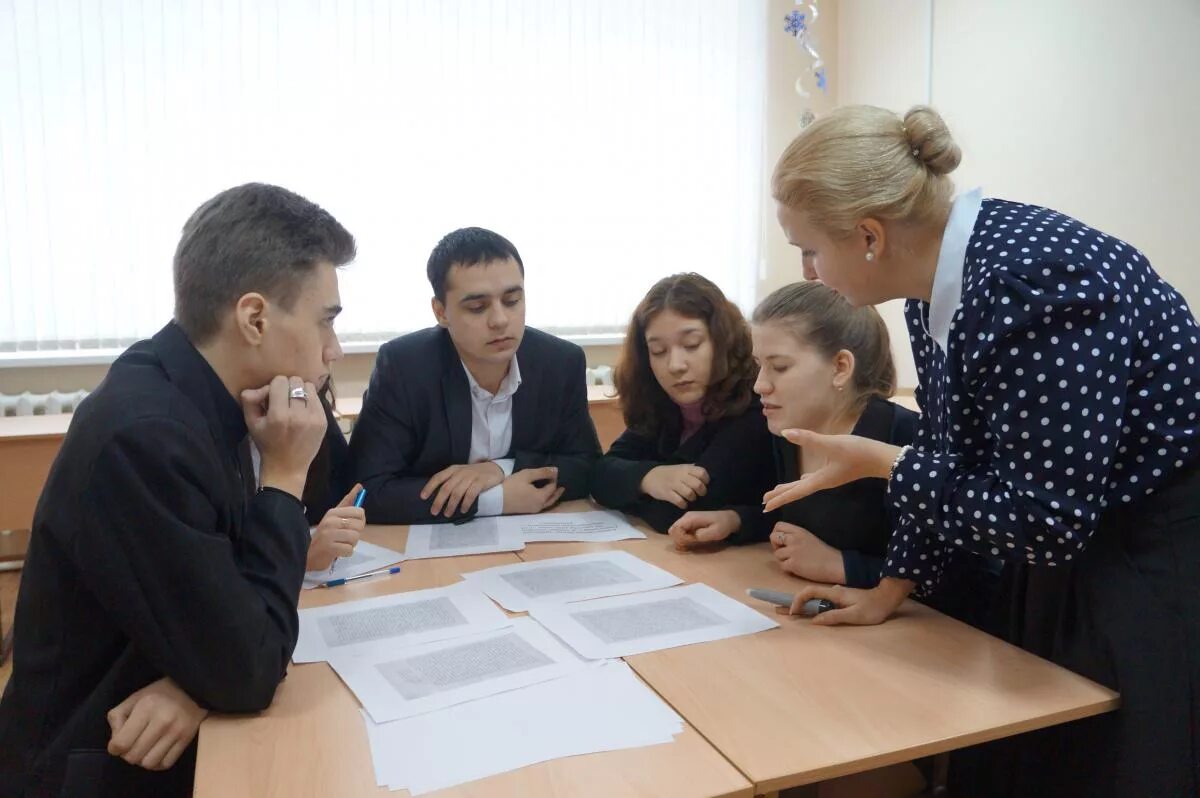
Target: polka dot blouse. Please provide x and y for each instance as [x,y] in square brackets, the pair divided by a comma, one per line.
[1070,384]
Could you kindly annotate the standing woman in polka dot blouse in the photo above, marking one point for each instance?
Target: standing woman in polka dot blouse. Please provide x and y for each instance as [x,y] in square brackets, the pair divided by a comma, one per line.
[1059,384]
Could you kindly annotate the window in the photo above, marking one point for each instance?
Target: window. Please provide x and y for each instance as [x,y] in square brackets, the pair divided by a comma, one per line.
[613,142]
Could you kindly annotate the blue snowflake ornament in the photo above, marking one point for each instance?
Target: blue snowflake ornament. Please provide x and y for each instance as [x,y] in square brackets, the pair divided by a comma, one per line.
[794,24]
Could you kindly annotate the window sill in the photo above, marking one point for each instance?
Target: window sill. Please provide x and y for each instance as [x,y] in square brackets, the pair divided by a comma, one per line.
[104,357]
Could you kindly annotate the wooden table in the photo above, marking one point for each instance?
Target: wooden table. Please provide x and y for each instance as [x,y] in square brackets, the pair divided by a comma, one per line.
[787,707]
[10,584]
[603,406]
[605,410]
[14,543]
[28,446]
[807,703]
[312,742]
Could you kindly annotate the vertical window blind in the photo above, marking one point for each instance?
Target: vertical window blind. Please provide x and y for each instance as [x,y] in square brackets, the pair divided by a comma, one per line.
[613,142]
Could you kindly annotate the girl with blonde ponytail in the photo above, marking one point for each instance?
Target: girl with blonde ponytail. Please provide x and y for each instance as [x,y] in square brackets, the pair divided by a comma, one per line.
[826,366]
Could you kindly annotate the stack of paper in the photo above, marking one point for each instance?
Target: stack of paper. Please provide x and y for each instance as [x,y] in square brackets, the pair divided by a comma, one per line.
[600,708]
[453,690]
[479,536]
[625,625]
[594,525]
[367,557]
[520,586]
[386,623]
[392,684]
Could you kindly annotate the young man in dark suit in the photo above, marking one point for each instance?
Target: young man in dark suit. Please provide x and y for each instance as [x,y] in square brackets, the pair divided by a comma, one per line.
[161,581]
[478,415]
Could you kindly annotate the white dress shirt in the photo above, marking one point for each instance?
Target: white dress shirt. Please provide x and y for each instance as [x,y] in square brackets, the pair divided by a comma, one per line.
[491,432]
[946,295]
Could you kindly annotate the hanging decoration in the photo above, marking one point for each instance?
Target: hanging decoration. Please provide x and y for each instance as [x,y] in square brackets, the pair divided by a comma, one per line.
[799,24]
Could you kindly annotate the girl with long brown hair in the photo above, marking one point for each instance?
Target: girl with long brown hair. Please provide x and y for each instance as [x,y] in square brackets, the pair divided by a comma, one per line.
[696,437]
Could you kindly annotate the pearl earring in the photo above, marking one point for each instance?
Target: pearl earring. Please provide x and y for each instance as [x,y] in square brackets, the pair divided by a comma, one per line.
[870,255]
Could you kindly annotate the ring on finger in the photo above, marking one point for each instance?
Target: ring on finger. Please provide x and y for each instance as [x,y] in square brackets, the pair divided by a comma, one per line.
[298,393]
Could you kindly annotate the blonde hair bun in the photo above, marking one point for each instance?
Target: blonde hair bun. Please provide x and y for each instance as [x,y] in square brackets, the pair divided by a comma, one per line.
[931,141]
[860,162]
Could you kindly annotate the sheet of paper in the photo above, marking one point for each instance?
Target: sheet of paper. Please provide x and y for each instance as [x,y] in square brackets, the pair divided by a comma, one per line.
[625,625]
[367,557]
[520,586]
[593,525]
[477,536]
[401,683]
[600,708]
[387,623]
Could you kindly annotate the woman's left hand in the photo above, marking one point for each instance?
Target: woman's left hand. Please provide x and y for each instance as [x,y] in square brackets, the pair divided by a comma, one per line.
[847,458]
[802,553]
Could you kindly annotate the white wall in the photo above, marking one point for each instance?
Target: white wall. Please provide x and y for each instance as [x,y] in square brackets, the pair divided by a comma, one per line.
[787,62]
[1091,107]
[883,60]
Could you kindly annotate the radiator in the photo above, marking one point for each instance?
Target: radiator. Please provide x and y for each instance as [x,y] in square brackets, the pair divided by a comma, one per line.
[46,404]
[601,375]
[40,404]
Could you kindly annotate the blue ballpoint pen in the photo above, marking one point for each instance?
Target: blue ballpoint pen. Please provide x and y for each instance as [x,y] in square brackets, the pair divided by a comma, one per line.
[395,569]
[358,500]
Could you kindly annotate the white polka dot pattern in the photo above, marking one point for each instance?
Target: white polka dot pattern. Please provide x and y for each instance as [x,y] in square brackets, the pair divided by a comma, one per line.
[1071,384]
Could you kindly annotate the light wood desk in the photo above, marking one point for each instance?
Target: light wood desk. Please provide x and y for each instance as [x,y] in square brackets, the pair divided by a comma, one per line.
[603,406]
[14,543]
[311,742]
[796,705]
[605,410]
[805,703]
[28,446]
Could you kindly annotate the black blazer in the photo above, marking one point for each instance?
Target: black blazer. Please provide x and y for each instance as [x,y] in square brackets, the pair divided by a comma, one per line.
[416,420]
[736,452]
[852,518]
[151,556]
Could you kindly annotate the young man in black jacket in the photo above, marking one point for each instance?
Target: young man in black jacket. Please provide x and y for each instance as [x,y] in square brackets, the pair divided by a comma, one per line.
[161,581]
[479,415]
